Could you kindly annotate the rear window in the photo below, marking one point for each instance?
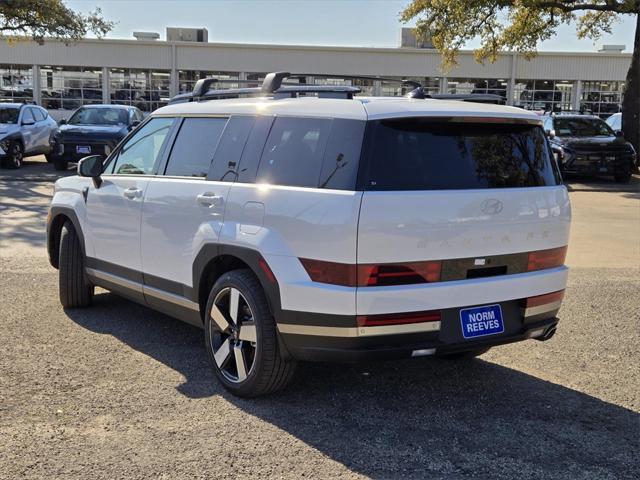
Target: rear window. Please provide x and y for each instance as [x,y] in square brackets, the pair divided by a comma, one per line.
[420,154]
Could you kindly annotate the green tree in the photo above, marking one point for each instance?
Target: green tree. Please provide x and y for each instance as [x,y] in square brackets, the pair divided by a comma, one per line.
[521,25]
[38,19]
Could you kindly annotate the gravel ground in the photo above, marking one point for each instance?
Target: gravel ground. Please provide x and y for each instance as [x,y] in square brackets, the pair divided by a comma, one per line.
[120,391]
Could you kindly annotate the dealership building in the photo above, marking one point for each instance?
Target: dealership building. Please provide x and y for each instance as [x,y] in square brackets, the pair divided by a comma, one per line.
[146,72]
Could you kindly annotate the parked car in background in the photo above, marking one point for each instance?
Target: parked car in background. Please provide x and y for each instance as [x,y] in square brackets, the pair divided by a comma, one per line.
[586,144]
[25,130]
[615,122]
[93,130]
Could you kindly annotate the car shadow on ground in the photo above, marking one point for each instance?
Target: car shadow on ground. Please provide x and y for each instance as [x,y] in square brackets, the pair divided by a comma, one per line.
[422,418]
[23,213]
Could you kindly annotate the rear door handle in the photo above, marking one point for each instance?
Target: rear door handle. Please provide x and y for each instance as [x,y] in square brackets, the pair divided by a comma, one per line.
[132,193]
[209,199]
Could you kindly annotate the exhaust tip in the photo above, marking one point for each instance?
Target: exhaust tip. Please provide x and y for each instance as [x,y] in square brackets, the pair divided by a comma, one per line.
[547,335]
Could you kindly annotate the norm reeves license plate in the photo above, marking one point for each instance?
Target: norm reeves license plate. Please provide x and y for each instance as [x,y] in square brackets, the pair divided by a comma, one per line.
[481,321]
[83,149]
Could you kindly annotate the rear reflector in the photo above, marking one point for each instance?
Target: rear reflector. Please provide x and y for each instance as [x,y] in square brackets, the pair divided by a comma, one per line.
[546,259]
[397,319]
[545,299]
[267,270]
[368,275]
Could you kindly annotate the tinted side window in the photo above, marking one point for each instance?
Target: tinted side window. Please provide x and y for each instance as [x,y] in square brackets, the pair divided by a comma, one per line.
[293,153]
[38,114]
[138,156]
[229,151]
[253,149]
[194,147]
[27,116]
[342,155]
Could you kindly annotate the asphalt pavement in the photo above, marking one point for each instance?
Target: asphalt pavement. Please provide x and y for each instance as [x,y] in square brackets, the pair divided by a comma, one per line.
[120,391]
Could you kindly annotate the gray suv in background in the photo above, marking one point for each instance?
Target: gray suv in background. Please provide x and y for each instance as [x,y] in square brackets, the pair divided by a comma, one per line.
[25,130]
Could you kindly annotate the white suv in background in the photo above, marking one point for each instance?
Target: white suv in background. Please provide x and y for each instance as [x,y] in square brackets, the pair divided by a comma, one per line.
[324,227]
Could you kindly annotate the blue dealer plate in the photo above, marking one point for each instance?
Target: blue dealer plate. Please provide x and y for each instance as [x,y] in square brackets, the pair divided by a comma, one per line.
[481,321]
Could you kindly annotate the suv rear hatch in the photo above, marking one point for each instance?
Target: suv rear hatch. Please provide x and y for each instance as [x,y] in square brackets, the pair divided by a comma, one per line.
[455,199]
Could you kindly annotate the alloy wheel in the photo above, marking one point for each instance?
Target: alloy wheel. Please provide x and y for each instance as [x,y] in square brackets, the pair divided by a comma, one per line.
[232,335]
[16,155]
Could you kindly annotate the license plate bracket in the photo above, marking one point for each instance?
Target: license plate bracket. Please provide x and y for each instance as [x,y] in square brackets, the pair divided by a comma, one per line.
[481,321]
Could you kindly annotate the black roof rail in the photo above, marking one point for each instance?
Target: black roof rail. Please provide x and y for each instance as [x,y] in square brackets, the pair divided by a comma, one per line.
[323,91]
[273,85]
[273,81]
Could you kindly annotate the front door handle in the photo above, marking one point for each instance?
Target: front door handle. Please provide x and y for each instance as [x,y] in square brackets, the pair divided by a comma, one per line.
[132,193]
[209,199]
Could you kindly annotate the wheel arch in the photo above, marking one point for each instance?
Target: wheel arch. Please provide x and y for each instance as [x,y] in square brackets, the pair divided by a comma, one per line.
[215,260]
[15,136]
[58,216]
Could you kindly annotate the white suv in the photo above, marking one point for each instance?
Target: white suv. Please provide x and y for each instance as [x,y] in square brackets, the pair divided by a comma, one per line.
[324,227]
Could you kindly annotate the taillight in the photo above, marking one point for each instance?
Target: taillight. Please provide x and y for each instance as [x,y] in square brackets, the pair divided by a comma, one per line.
[397,319]
[398,274]
[542,259]
[369,275]
[330,272]
[545,299]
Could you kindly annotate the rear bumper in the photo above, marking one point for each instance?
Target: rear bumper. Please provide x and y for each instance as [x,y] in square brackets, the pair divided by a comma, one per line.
[318,338]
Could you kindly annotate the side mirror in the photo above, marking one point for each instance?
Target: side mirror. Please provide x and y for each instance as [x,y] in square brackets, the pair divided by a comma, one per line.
[619,133]
[550,133]
[62,121]
[135,124]
[91,166]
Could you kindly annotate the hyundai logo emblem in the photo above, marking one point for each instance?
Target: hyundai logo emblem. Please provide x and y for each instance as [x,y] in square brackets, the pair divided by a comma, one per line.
[491,206]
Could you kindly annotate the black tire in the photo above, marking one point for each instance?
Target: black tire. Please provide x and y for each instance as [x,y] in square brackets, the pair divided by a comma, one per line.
[623,177]
[268,372]
[75,290]
[50,157]
[60,164]
[466,355]
[14,156]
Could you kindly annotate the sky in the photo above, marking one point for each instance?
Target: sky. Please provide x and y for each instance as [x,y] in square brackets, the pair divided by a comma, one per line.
[368,23]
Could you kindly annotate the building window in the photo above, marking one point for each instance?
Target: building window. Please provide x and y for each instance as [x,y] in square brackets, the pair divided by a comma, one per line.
[366,85]
[547,95]
[145,89]
[477,85]
[188,78]
[16,84]
[393,89]
[70,87]
[602,98]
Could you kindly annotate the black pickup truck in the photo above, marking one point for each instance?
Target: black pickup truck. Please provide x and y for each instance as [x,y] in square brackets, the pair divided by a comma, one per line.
[586,144]
[92,130]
